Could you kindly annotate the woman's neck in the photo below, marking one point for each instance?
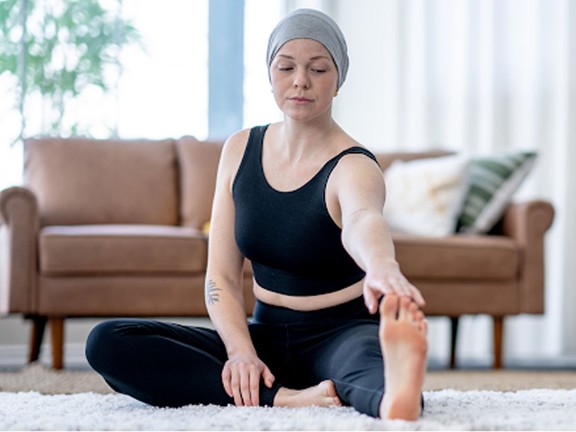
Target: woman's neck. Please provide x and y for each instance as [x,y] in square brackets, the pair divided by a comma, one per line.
[300,139]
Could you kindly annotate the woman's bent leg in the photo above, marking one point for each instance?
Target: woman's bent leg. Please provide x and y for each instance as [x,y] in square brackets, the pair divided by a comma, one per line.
[351,357]
[162,364]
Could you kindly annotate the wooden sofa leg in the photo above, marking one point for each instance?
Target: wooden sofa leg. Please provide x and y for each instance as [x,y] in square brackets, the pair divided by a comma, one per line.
[57,336]
[454,321]
[38,328]
[498,341]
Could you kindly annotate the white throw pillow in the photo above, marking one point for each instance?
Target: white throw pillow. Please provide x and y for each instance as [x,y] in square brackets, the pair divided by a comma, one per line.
[425,196]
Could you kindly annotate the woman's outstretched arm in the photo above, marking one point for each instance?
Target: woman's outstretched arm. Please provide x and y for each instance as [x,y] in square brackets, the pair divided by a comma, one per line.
[358,186]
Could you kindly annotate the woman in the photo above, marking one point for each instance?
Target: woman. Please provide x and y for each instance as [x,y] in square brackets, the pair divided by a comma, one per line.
[303,201]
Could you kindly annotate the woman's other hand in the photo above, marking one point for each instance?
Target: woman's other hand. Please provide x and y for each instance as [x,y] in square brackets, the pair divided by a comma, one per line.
[241,378]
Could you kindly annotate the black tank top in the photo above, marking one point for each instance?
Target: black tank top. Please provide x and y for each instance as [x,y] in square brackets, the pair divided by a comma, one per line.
[294,245]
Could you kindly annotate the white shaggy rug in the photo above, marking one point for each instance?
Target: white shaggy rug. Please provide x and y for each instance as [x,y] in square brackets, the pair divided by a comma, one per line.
[445,410]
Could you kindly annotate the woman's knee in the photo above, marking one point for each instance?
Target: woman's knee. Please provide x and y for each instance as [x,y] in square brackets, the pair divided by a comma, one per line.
[103,342]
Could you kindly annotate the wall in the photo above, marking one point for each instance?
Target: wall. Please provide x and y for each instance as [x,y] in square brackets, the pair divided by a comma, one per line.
[506,82]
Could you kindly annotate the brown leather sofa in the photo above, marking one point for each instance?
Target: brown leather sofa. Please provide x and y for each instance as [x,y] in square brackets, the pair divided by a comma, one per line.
[115,228]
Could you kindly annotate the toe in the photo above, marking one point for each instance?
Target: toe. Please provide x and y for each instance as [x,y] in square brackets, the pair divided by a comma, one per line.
[389,307]
[404,309]
[423,326]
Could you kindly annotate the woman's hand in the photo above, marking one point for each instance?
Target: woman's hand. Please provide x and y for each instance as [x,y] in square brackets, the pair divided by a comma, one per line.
[241,378]
[385,280]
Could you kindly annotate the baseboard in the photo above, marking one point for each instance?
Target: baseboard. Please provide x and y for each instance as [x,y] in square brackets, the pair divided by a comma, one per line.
[16,356]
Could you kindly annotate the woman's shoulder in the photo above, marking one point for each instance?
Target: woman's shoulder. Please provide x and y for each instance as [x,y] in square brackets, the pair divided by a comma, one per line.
[232,152]
[235,147]
[356,157]
[238,140]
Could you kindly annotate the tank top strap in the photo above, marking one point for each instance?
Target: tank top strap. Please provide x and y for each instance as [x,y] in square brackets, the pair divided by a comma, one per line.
[256,141]
[354,150]
[331,164]
[250,165]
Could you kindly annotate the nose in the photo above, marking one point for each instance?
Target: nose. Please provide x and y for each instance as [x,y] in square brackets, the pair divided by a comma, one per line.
[301,79]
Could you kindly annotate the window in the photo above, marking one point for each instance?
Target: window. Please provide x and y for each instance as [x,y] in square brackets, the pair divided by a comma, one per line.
[163,89]
[260,19]
[159,87]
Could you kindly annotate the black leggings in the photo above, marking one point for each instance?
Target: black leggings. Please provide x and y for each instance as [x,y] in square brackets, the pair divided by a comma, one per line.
[166,364]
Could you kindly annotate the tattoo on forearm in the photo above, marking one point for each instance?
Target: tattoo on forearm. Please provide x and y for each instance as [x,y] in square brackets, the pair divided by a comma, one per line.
[212,292]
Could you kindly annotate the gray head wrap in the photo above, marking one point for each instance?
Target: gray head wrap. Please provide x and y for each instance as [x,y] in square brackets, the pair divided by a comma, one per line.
[315,25]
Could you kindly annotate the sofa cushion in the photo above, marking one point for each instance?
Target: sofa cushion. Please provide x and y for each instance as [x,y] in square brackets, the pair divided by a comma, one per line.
[457,257]
[88,181]
[121,249]
[198,161]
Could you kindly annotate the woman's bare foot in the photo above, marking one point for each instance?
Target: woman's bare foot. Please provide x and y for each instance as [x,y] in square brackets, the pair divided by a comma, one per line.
[403,339]
[323,394]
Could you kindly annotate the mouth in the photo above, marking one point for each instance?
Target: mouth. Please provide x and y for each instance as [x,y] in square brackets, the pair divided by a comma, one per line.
[299,99]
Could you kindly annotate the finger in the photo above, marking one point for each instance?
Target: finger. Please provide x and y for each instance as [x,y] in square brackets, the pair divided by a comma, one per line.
[401,286]
[404,287]
[235,383]
[370,300]
[255,387]
[245,387]
[268,376]
[237,397]
[409,290]
[226,374]
[400,291]
[418,297]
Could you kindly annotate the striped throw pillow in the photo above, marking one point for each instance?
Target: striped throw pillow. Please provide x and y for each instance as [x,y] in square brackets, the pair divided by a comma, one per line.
[492,182]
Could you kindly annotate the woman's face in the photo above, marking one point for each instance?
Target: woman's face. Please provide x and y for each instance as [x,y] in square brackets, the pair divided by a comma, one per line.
[304,79]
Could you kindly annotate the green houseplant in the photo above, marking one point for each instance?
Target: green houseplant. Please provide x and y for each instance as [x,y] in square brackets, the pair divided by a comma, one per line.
[56,50]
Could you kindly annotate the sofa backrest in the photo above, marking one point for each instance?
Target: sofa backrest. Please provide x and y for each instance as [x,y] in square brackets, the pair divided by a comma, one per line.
[88,181]
[198,167]
[386,159]
[158,182]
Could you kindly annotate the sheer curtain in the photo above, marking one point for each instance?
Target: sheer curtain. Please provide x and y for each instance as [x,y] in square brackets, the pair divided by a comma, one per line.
[477,76]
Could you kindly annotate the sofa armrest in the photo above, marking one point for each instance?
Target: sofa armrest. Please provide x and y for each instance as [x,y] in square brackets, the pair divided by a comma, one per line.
[527,222]
[19,225]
